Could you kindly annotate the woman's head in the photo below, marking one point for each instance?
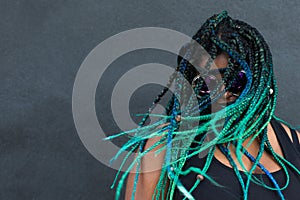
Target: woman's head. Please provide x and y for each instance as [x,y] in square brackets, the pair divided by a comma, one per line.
[242,54]
[234,72]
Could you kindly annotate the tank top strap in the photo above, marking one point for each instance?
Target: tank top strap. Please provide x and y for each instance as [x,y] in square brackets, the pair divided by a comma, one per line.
[289,149]
[295,139]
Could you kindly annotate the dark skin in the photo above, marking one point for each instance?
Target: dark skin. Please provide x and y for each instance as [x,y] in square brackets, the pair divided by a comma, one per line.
[149,179]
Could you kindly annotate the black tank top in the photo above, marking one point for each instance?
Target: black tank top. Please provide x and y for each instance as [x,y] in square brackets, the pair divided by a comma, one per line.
[225,175]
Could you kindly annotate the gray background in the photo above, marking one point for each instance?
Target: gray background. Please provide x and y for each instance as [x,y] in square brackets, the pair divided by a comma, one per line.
[42,45]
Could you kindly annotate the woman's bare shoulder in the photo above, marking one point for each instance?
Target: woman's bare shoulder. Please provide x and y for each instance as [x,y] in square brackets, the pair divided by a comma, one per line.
[288,131]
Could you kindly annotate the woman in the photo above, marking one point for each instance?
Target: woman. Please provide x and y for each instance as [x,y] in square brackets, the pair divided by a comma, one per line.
[228,144]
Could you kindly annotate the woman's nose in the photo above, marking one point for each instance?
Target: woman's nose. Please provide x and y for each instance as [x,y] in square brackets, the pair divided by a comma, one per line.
[229,96]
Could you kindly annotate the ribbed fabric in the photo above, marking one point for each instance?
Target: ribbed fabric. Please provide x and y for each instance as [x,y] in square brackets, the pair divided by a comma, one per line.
[232,189]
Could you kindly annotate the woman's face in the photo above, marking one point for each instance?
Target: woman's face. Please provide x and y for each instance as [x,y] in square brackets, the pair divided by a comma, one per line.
[210,80]
[221,61]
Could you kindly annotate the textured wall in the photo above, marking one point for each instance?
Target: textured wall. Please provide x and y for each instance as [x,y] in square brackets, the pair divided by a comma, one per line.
[42,45]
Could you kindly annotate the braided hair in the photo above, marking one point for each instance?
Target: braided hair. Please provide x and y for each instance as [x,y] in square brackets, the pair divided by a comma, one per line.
[245,118]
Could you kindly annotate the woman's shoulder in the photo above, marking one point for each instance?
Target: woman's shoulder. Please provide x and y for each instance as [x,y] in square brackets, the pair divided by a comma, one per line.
[290,133]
